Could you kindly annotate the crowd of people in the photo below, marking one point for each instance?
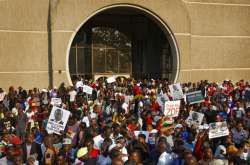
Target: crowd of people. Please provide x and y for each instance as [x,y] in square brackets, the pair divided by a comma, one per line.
[123,123]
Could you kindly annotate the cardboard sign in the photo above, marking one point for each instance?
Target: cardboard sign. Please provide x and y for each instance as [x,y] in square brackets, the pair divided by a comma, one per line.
[172,108]
[146,133]
[152,137]
[2,95]
[176,91]
[56,101]
[111,80]
[87,89]
[218,129]
[79,84]
[57,120]
[194,118]
[194,97]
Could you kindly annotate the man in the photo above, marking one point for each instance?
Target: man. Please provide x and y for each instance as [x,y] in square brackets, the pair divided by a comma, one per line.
[22,122]
[58,115]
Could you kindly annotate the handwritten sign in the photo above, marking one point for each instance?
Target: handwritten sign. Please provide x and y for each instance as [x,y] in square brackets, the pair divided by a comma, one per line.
[172,108]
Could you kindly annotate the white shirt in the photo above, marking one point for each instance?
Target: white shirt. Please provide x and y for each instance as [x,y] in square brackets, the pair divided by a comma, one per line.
[102,160]
[165,159]
[98,140]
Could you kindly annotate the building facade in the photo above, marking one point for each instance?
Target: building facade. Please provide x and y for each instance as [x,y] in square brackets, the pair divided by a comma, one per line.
[206,39]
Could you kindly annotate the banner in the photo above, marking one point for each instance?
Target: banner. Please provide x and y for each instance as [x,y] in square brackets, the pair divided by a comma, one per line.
[176,91]
[194,97]
[57,120]
[111,80]
[146,133]
[218,129]
[172,108]
[56,101]
[194,118]
[87,89]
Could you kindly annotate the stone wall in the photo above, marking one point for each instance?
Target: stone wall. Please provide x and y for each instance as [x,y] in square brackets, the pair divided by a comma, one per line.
[213,37]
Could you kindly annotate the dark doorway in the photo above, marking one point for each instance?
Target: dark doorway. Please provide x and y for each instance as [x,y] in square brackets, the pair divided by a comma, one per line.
[121,41]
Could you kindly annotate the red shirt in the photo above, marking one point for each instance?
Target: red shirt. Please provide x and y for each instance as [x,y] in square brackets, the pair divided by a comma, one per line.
[94,153]
[155,106]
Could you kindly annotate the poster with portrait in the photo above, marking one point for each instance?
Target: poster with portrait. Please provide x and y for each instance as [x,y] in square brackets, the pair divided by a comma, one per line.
[172,108]
[176,91]
[57,120]
[152,137]
[56,101]
[194,118]
[218,129]
[194,97]
[146,133]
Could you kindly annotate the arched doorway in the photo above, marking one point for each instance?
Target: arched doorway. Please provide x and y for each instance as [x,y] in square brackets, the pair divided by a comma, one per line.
[125,41]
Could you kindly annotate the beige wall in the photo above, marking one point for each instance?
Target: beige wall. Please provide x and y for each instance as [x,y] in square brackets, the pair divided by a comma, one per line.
[213,37]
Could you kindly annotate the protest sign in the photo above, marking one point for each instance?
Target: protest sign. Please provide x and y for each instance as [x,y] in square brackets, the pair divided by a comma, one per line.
[146,133]
[172,108]
[194,118]
[218,129]
[56,101]
[194,97]
[2,95]
[79,84]
[152,136]
[111,80]
[87,89]
[57,120]
[176,91]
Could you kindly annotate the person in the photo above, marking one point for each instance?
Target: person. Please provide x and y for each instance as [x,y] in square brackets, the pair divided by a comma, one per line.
[101,129]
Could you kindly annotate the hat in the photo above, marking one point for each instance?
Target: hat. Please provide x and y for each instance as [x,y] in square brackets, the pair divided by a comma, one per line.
[168,122]
[82,152]
[67,141]
[178,126]
[232,149]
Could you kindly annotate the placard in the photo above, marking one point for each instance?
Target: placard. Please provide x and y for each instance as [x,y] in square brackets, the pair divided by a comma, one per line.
[2,95]
[87,89]
[172,108]
[218,129]
[195,118]
[146,133]
[194,97]
[176,91]
[56,101]
[111,80]
[57,120]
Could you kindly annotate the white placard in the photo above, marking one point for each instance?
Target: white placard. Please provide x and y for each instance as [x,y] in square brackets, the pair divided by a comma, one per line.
[2,95]
[111,80]
[194,118]
[57,120]
[56,101]
[79,84]
[218,129]
[146,133]
[87,89]
[176,91]
[172,108]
